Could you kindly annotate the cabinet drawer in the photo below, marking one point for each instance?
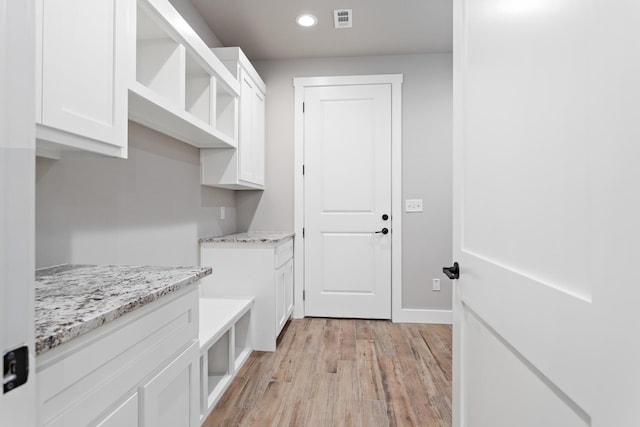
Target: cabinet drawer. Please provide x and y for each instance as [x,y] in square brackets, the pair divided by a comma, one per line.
[284,253]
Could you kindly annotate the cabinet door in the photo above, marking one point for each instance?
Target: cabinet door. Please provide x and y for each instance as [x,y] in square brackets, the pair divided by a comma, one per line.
[288,289]
[245,150]
[82,66]
[281,280]
[171,398]
[125,415]
[258,136]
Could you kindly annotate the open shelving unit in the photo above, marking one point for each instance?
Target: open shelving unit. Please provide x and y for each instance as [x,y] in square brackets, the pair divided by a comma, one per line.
[177,85]
[225,344]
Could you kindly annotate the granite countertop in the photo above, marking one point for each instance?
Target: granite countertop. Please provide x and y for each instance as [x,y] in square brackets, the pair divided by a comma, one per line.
[251,237]
[71,300]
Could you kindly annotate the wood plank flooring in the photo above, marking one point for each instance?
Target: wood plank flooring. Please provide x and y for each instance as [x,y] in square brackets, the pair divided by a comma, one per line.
[344,372]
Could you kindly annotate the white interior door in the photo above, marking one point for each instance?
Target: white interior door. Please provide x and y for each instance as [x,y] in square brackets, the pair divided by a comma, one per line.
[546,208]
[347,143]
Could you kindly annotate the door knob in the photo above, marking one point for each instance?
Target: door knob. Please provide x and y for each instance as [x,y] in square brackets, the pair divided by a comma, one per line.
[383,231]
[452,272]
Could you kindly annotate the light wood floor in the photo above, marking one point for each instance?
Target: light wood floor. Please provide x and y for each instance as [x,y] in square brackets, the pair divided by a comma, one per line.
[336,372]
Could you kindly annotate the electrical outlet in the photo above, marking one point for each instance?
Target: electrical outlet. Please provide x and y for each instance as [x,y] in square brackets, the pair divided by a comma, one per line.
[222,212]
[436,284]
[413,205]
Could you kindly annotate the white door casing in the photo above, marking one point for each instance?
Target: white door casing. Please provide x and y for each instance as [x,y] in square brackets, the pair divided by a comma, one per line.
[394,83]
[17,200]
[347,191]
[546,212]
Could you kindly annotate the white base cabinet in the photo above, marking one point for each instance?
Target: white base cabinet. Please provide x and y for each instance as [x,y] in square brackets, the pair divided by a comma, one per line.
[263,271]
[139,370]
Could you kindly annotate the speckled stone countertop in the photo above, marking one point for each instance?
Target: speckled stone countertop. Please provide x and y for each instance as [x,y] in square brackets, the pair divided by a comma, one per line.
[250,237]
[72,300]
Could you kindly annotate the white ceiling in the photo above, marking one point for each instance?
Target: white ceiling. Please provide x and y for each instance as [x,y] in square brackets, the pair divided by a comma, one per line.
[266,29]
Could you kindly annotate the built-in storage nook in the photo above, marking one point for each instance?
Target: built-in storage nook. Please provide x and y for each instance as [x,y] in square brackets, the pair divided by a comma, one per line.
[177,86]
[225,344]
[241,168]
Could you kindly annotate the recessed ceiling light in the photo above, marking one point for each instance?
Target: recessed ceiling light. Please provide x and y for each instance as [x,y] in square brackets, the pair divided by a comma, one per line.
[306,20]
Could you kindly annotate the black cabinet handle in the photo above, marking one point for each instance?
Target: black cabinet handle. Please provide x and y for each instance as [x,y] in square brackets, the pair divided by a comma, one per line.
[452,272]
[383,231]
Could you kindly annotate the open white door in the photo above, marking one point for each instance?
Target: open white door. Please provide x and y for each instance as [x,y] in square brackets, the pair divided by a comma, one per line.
[546,213]
[17,208]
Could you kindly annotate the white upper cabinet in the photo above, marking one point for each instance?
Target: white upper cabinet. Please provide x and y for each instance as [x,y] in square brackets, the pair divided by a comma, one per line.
[243,168]
[81,75]
[177,86]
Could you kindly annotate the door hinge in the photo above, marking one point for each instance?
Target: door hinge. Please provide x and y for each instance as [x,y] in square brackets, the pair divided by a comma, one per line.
[303,107]
[304,296]
[303,232]
[302,169]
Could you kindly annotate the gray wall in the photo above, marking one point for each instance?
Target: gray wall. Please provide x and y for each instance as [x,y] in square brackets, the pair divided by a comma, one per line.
[196,21]
[147,209]
[427,160]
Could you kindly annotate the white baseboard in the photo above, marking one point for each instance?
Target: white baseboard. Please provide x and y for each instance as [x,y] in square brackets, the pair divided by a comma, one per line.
[410,315]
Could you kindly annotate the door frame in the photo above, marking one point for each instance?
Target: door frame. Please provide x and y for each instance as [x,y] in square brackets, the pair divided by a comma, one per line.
[17,200]
[300,83]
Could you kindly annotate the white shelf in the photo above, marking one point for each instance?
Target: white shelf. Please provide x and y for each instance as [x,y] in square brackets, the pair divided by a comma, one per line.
[177,86]
[148,108]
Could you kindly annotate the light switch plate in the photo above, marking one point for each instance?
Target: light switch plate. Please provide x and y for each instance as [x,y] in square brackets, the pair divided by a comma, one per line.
[413,205]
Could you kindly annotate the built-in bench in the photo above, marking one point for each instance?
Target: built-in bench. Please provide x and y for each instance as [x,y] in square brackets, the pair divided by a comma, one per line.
[225,344]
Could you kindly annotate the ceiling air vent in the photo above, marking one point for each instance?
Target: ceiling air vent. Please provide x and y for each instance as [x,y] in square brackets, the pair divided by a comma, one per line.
[343,18]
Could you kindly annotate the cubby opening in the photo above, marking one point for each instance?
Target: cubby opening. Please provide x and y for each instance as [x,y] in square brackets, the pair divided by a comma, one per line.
[226,111]
[218,366]
[198,93]
[160,60]
[242,330]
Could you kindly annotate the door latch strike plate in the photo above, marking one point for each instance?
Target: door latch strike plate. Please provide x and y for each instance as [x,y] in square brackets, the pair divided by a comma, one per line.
[16,368]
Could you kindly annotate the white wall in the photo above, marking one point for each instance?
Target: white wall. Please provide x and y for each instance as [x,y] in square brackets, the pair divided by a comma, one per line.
[147,209]
[427,160]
